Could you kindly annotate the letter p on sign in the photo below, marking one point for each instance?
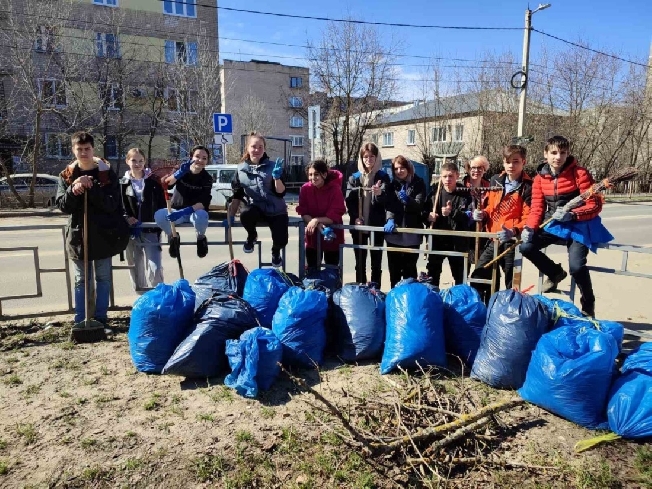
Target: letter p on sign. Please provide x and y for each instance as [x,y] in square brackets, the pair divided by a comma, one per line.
[222,123]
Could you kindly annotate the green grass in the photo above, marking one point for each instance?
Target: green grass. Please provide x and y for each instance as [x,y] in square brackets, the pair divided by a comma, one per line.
[209,468]
[132,464]
[95,474]
[4,467]
[3,444]
[597,476]
[205,417]
[13,380]
[244,436]
[88,443]
[643,463]
[153,403]
[267,412]
[27,432]
[32,390]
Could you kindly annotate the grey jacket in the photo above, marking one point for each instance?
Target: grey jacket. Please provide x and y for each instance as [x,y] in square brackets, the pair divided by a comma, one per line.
[255,182]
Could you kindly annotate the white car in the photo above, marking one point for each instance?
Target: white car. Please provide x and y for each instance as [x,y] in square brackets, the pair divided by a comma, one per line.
[222,176]
[45,189]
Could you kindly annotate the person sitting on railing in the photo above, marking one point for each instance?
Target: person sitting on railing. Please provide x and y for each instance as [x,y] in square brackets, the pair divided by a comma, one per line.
[506,214]
[321,203]
[365,202]
[259,180]
[406,194]
[448,213]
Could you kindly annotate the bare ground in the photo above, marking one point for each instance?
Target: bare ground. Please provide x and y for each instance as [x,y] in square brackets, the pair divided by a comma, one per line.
[81,416]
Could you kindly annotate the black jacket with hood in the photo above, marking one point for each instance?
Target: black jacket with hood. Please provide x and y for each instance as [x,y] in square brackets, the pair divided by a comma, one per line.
[153,199]
[406,215]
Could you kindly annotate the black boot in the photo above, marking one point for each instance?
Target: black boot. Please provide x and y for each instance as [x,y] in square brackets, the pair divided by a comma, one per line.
[175,243]
[588,307]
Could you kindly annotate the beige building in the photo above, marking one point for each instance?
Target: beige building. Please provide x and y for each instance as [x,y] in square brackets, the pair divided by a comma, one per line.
[270,98]
[132,72]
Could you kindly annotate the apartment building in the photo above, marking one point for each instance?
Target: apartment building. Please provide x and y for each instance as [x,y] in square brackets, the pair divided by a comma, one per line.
[133,72]
[270,98]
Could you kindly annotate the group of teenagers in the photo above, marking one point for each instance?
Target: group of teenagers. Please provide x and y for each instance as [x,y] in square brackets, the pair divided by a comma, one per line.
[116,208]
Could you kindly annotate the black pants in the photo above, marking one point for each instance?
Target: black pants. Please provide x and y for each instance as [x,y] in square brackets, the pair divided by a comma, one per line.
[506,263]
[577,254]
[361,257]
[278,225]
[402,265]
[436,262]
[330,257]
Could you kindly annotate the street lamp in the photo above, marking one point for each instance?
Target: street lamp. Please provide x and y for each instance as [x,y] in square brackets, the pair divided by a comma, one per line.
[524,69]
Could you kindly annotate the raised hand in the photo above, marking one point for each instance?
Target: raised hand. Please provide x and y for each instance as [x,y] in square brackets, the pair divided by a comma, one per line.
[403,196]
[447,209]
[375,189]
[277,172]
[183,169]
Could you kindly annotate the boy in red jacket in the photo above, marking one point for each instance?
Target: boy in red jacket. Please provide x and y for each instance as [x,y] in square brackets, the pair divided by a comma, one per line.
[558,181]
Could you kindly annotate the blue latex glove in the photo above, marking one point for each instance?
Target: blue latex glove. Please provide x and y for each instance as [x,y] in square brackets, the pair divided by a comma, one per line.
[390,226]
[175,215]
[563,216]
[527,234]
[403,197]
[135,230]
[228,222]
[183,169]
[328,233]
[277,172]
[505,235]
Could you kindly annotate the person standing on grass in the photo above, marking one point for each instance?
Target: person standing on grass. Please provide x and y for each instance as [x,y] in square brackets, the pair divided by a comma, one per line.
[142,196]
[321,203]
[369,183]
[406,194]
[259,181]
[506,214]
[190,201]
[92,179]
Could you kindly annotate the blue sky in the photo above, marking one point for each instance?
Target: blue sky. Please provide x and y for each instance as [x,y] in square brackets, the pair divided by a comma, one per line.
[622,28]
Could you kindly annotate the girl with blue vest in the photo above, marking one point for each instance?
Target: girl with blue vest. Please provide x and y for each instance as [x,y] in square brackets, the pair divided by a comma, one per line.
[258,182]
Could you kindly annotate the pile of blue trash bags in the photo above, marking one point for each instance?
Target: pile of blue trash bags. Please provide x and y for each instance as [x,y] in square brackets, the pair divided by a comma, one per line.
[245,325]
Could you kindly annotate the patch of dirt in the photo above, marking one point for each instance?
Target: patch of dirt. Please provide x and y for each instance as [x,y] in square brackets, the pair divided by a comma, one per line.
[82,416]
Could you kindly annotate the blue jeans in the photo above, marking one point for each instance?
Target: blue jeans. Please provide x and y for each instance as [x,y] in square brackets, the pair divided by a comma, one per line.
[146,261]
[198,219]
[101,269]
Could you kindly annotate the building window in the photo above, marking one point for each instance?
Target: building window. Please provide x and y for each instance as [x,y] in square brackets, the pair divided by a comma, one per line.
[411,137]
[111,148]
[388,139]
[179,147]
[180,100]
[181,52]
[296,102]
[57,146]
[44,42]
[296,82]
[439,134]
[52,92]
[296,160]
[111,95]
[183,8]
[106,45]
[296,121]
[459,132]
[374,139]
[297,141]
[108,3]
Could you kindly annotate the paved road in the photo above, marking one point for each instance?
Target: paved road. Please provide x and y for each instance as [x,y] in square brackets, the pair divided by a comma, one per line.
[629,223]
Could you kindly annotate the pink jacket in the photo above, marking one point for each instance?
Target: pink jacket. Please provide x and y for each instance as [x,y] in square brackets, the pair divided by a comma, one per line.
[327,201]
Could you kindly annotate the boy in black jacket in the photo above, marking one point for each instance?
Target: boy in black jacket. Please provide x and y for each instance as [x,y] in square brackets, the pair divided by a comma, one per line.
[449,212]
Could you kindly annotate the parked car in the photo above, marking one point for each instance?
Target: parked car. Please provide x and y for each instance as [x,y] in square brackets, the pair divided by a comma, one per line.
[222,176]
[45,189]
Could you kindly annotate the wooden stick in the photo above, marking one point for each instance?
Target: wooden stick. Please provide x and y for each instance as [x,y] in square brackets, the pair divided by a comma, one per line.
[435,199]
[173,227]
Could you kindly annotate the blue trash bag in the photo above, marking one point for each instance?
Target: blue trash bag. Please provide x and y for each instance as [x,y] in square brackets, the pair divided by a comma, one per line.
[570,374]
[465,315]
[228,277]
[202,353]
[327,277]
[630,401]
[263,290]
[160,319]
[515,322]
[254,361]
[610,327]
[299,325]
[414,332]
[558,307]
[359,322]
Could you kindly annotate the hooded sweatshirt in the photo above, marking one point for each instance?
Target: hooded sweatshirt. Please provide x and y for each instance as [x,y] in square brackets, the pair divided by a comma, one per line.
[325,201]
[367,180]
[141,198]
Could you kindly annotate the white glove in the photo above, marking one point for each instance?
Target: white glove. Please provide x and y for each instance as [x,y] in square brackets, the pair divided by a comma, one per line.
[527,234]
[478,215]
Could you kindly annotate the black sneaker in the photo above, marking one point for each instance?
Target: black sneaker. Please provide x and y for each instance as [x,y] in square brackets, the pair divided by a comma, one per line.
[277,261]
[175,243]
[550,283]
[248,247]
[202,246]
[588,308]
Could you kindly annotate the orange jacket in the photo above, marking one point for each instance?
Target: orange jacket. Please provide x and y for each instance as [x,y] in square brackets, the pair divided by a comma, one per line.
[511,209]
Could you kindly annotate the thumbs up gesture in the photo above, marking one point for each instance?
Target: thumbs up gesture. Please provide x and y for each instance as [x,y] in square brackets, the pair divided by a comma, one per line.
[505,235]
[375,188]
[447,209]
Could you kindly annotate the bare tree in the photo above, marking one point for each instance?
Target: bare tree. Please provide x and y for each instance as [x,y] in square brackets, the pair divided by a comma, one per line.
[251,114]
[355,69]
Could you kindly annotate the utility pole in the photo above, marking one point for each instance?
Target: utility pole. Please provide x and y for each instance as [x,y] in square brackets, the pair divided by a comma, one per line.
[524,68]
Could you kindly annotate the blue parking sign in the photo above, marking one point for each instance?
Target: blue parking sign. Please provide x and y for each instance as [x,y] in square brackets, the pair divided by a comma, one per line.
[222,123]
